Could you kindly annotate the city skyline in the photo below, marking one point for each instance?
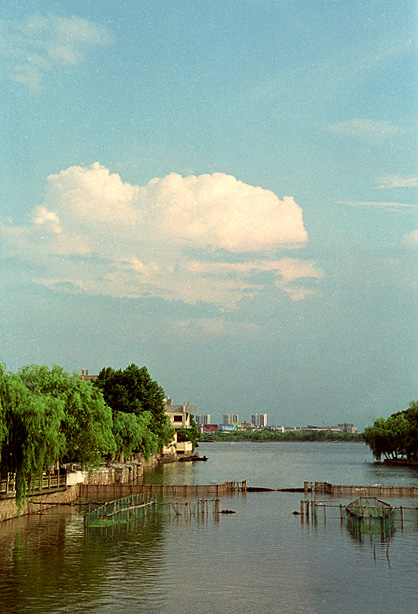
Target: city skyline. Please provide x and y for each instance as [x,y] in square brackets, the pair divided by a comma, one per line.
[224,192]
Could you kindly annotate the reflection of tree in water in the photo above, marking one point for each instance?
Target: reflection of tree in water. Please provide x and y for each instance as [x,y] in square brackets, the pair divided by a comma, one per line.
[134,555]
[170,473]
[50,562]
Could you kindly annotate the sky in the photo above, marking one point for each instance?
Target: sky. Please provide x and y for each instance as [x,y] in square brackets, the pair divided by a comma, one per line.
[224,191]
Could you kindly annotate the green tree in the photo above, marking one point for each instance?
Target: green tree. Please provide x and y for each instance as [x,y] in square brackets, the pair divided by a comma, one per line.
[191,434]
[133,391]
[395,436]
[3,415]
[31,436]
[87,421]
[411,446]
[376,438]
[132,433]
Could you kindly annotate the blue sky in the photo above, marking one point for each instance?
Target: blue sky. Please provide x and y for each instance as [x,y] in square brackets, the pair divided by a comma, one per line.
[225,192]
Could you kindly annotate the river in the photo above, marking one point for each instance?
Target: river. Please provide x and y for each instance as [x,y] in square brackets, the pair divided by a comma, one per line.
[260,559]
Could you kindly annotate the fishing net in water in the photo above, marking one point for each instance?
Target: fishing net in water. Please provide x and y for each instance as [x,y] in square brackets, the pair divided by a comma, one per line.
[120,511]
[370,515]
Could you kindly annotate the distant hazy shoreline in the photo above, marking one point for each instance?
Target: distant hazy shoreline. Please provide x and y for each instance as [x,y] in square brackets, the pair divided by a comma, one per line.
[269,436]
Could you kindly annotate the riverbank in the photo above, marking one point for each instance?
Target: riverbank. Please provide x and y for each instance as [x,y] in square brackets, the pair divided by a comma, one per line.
[401,462]
[277,436]
[42,499]
[38,503]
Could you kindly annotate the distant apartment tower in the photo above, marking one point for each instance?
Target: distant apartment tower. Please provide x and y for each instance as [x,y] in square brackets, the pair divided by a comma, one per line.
[230,419]
[259,420]
[202,419]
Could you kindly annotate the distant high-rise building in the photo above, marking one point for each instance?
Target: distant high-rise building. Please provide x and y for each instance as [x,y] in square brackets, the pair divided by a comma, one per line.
[202,419]
[259,420]
[230,419]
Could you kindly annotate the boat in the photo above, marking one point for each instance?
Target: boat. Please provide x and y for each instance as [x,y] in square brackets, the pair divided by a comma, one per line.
[193,457]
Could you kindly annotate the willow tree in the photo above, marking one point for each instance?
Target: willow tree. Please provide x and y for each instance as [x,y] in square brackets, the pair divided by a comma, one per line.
[3,425]
[133,433]
[411,415]
[32,439]
[395,436]
[86,421]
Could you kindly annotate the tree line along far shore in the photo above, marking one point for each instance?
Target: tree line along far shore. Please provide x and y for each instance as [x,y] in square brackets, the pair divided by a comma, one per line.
[49,416]
[393,438]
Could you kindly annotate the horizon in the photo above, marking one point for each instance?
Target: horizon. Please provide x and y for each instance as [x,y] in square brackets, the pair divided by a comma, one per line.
[225,193]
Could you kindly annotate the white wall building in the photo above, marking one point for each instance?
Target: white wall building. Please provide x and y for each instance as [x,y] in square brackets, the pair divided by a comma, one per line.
[179,416]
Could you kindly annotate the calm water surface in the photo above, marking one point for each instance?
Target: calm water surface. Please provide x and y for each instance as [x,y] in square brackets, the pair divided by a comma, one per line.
[260,559]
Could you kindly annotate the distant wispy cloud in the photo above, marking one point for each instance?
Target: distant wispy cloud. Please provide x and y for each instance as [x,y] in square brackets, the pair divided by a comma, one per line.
[397,181]
[411,239]
[393,206]
[366,129]
[32,48]
[325,77]
[144,239]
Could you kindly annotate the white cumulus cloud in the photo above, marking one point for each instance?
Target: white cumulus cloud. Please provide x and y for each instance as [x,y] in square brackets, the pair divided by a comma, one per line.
[108,236]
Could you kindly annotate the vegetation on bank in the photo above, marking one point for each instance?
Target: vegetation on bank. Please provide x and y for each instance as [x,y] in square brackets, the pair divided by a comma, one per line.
[137,404]
[191,434]
[48,416]
[268,435]
[395,437]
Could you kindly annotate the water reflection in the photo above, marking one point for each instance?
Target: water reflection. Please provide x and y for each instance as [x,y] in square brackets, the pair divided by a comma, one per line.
[50,563]
[261,559]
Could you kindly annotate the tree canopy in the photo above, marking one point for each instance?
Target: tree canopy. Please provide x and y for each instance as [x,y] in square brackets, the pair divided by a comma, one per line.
[133,433]
[132,391]
[87,421]
[396,436]
[48,416]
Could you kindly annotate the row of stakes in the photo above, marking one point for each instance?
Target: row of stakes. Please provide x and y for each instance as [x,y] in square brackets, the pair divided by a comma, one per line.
[198,508]
[309,509]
